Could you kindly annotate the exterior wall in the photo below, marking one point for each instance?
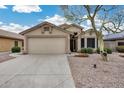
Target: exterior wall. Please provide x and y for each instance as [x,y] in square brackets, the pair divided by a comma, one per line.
[68,44]
[78,30]
[40,30]
[116,42]
[79,42]
[112,44]
[7,44]
[85,36]
[54,33]
[73,29]
[20,44]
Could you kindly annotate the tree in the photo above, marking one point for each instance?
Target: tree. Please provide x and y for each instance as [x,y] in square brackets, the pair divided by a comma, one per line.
[79,14]
[115,23]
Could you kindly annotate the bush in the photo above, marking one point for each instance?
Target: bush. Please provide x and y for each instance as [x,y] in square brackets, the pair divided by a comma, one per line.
[87,50]
[83,50]
[98,50]
[16,49]
[120,49]
[108,50]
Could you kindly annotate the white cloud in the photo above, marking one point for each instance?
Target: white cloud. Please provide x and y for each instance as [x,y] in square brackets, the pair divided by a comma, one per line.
[1,23]
[85,26]
[13,27]
[97,22]
[26,8]
[3,7]
[56,19]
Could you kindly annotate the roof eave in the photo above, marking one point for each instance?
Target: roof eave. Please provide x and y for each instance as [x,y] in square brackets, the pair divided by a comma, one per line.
[40,25]
[11,37]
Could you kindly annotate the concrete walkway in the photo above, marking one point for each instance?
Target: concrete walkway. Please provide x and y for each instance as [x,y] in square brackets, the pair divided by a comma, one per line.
[4,53]
[40,71]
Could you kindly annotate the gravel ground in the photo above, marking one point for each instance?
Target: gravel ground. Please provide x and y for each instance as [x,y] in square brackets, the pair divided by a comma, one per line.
[107,74]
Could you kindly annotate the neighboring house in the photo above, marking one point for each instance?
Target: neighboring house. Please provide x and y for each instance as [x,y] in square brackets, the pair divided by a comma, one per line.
[47,38]
[114,40]
[9,40]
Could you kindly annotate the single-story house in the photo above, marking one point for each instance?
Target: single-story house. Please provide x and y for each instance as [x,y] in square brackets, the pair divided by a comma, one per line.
[47,38]
[9,40]
[114,40]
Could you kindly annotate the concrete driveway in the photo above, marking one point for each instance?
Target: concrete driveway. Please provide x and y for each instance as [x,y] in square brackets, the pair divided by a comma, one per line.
[36,71]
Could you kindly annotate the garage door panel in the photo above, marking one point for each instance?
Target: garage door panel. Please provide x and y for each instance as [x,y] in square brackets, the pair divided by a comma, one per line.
[46,45]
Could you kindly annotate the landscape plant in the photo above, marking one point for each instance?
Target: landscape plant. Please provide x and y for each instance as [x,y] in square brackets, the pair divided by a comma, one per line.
[120,49]
[107,23]
[16,49]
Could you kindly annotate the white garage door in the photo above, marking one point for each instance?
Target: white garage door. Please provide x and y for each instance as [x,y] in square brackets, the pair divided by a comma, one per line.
[46,45]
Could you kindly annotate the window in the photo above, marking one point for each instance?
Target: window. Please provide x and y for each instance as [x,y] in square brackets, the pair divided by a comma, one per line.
[46,28]
[82,42]
[16,43]
[120,43]
[91,42]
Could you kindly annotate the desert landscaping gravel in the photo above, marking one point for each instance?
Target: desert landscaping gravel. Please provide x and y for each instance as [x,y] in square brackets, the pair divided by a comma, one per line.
[106,74]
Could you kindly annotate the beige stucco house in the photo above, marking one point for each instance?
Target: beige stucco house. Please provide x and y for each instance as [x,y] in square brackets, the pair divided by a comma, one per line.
[47,38]
[9,39]
[114,40]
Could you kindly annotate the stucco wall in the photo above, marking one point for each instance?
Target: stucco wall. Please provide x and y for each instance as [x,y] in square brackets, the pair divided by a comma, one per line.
[116,42]
[112,44]
[38,33]
[85,36]
[55,32]
[74,29]
[7,44]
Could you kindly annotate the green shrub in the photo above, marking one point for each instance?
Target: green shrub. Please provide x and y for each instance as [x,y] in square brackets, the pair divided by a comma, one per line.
[108,50]
[89,50]
[98,50]
[120,49]
[16,49]
[83,50]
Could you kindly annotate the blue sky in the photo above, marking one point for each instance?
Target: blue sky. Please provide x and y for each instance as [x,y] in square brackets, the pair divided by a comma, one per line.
[18,18]
[8,16]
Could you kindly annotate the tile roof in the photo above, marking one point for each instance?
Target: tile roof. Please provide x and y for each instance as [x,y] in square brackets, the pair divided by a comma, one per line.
[41,24]
[12,35]
[114,36]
